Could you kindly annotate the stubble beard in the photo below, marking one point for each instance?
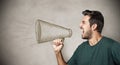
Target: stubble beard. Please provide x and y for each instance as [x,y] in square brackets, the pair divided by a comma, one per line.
[87,35]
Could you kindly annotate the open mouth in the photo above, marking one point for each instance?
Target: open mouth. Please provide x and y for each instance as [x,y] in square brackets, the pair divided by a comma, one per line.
[82,31]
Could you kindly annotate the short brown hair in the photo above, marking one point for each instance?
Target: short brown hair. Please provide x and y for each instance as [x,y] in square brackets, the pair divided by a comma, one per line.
[96,17]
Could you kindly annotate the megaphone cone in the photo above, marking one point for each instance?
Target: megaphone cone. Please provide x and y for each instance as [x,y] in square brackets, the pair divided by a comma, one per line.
[46,31]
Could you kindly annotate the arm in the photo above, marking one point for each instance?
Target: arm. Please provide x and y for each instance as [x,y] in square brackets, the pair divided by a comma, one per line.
[58,45]
[60,59]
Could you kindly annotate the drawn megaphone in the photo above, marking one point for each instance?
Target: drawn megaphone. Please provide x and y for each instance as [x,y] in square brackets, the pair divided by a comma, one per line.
[46,31]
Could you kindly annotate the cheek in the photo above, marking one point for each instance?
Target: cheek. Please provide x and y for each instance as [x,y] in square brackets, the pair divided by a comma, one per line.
[86,28]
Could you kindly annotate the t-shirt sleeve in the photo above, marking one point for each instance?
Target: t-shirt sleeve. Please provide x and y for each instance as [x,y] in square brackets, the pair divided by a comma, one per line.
[116,53]
[73,59]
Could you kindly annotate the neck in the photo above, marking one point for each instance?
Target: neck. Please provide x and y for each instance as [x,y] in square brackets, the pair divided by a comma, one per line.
[95,39]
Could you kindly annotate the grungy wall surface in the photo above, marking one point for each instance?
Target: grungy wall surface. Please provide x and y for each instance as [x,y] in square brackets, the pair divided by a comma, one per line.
[18,44]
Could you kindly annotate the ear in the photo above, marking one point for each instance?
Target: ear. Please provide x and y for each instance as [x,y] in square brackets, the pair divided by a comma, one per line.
[94,27]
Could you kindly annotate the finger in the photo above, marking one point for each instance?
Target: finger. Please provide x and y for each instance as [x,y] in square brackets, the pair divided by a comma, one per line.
[57,41]
[54,46]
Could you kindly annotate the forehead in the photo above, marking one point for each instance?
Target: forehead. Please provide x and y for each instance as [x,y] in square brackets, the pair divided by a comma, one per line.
[86,18]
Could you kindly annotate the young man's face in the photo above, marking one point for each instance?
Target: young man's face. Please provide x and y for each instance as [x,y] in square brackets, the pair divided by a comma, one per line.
[85,27]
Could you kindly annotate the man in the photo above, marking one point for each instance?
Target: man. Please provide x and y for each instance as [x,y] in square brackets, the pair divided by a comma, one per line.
[97,50]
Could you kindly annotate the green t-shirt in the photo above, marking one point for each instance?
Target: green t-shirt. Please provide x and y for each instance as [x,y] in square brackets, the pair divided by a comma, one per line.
[105,52]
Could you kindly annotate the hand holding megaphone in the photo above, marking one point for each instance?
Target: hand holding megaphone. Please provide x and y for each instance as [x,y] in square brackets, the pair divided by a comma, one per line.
[58,45]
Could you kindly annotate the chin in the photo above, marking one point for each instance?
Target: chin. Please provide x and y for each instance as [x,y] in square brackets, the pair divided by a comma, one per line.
[85,37]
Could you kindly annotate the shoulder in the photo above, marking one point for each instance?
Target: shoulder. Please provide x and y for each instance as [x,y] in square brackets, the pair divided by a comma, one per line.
[108,40]
[111,43]
[82,45]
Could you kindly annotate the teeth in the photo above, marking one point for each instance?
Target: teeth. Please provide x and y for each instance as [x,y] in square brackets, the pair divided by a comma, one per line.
[82,30]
